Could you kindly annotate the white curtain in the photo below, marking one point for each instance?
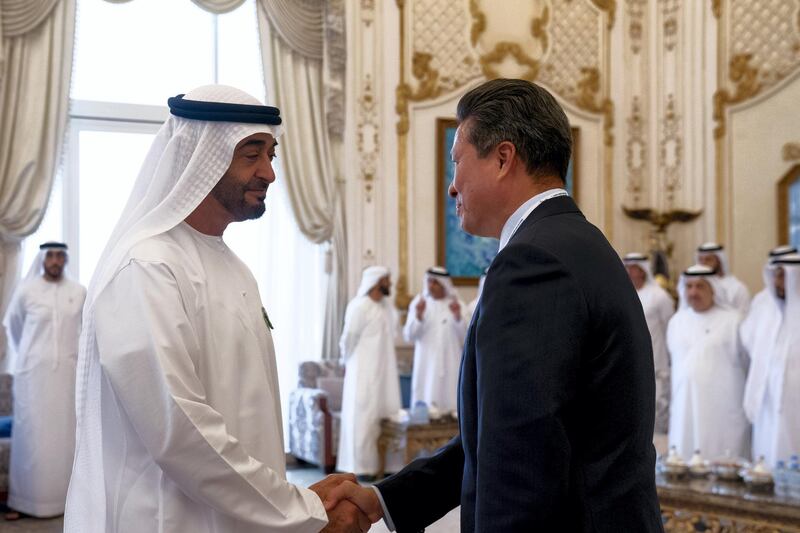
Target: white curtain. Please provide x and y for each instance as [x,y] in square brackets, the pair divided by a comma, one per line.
[303,54]
[36,41]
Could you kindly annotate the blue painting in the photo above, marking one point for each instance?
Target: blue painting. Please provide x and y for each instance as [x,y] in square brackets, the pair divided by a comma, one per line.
[465,256]
[794,213]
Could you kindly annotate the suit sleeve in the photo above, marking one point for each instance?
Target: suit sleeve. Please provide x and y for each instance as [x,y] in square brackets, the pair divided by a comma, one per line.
[148,350]
[425,490]
[528,359]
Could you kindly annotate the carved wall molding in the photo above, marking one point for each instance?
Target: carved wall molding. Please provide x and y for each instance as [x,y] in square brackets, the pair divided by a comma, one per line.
[758,47]
[636,25]
[636,151]
[368,134]
[744,76]
[669,11]
[671,150]
[610,8]
[791,151]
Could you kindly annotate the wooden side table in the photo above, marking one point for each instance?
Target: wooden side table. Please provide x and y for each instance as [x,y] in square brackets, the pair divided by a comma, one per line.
[416,437]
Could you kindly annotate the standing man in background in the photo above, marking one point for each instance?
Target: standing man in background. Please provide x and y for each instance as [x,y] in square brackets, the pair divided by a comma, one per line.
[658,308]
[436,326]
[43,324]
[371,384]
[772,391]
[731,291]
[708,370]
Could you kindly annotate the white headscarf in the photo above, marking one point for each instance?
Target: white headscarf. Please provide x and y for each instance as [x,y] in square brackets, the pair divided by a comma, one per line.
[441,276]
[37,267]
[707,274]
[713,248]
[370,277]
[640,260]
[185,161]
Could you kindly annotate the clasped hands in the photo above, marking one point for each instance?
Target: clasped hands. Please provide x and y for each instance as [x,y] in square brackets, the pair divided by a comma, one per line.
[351,508]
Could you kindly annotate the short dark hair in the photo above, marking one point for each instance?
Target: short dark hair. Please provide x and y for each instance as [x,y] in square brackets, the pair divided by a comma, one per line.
[523,114]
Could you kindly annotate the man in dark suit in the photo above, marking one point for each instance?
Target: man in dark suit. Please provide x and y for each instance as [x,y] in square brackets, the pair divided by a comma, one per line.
[557,390]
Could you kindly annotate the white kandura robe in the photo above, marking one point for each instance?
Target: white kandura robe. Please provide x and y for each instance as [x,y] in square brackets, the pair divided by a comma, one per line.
[708,376]
[658,308]
[736,294]
[438,342]
[43,323]
[192,434]
[371,383]
[771,335]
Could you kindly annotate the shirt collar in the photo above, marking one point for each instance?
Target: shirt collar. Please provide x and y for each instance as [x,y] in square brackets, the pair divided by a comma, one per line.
[522,212]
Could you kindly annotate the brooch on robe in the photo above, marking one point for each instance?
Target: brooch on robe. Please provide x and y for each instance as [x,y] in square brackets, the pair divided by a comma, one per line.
[266,318]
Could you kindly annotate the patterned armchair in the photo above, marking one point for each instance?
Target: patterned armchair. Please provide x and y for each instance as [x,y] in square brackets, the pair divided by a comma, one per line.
[314,413]
[6,404]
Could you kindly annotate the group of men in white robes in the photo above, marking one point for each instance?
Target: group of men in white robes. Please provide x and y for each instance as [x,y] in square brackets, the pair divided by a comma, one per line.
[731,363]
[434,324]
[43,323]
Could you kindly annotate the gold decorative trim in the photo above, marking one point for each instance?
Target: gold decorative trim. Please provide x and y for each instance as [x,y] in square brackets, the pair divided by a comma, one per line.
[671,145]
[791,151]
[745,77]
[478,22]
[610,7]
[636,25]
[716,8]
[636,149]
[587,99]
[504,49]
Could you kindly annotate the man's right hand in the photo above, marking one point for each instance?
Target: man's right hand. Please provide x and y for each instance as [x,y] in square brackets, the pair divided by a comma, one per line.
[363,497]
[420,308]
[347,518]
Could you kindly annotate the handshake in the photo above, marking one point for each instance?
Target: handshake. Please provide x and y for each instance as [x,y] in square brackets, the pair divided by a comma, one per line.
[350,507]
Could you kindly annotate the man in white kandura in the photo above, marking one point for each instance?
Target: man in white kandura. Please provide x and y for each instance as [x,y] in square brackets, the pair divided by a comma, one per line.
[733,290]
[437,328]
[371,384]
[658,308]
[708,371]
[765,297]
[772,392]
[43,323]
[179,418]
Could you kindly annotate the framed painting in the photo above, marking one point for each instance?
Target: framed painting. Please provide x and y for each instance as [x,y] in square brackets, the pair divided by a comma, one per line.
[466,256]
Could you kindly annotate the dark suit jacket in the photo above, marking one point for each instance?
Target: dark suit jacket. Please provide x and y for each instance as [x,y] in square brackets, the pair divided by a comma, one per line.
[556,396]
